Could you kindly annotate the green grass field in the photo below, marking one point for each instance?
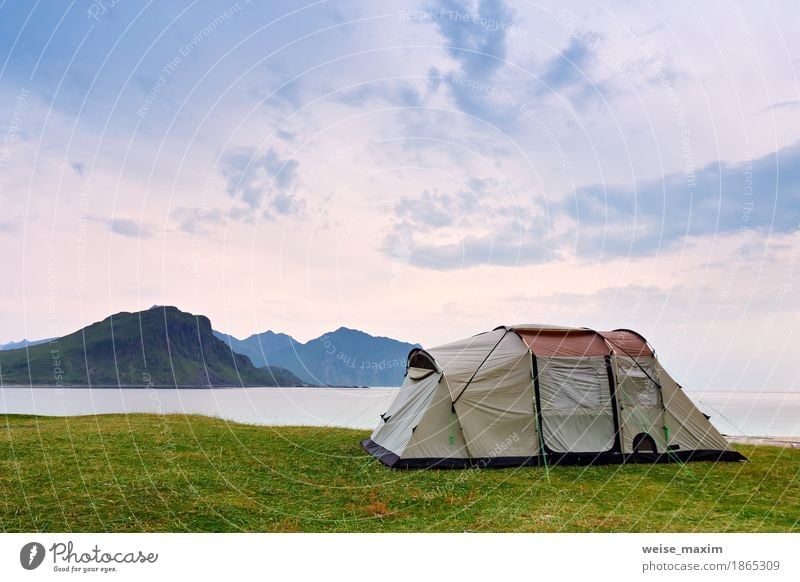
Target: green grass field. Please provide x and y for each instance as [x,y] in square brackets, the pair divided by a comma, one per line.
[189,473]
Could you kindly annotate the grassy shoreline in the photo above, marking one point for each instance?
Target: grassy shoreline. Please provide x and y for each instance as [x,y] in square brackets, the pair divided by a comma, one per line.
[144,472]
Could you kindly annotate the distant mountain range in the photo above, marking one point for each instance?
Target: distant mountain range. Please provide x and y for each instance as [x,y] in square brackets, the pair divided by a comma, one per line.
[345,357]
[164,346]
[22,344]
[161,346]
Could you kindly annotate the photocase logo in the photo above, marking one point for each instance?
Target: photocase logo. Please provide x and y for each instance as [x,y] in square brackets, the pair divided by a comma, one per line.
[31,555]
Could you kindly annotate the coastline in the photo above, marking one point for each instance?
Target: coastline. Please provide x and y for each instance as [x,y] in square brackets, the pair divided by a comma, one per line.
[789,442]
[168,386]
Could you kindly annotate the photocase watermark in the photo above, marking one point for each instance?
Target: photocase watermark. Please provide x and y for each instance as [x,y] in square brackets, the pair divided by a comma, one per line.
[498,451]
[639,301]
[592,43]
[687,322]
[780,296]
[401,250]
[81,237]
[31,555]
[58,371]
[354,363]
[170,446]
[527,112]
[745,231]
[172,66]
[67,559]
[490,24]
[10,138]
[20,105]
[334,160]
[741,21]
[52,313]
[198,257]
[99,8]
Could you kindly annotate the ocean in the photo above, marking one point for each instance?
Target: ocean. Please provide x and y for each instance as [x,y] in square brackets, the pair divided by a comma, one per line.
[764,414]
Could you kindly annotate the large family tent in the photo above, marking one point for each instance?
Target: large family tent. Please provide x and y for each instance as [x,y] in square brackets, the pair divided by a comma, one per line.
[538,395]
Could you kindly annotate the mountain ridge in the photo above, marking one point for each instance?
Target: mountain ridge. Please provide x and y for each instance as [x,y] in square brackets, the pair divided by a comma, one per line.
[342,357]
[160,346]
[117,355]
[24,343]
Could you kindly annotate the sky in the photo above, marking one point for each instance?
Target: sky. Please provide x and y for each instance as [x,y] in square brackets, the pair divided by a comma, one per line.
[420,170]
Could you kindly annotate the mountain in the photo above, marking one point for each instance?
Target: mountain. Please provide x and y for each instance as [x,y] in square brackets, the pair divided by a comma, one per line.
[345,357]
[22,344]
[162,346]
[258,345]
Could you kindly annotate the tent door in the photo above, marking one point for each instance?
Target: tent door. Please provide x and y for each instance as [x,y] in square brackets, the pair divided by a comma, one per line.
[641,408]
[574,397]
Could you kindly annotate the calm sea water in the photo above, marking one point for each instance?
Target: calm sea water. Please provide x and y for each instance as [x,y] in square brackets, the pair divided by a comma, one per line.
[343,407]
[739,413]
[752,413]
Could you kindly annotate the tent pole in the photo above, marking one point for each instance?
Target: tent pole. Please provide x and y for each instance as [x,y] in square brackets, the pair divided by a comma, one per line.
[475,373]
[537,412]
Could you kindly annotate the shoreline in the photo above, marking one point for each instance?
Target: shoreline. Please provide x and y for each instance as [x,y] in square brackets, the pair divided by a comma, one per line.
[791,442]
[786,441]
[66,387]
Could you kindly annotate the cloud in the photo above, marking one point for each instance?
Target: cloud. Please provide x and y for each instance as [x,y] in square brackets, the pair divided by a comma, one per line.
[446,231]
[196,220]
[511,245]
[393,92]
[567,68]
[431,209]
[759,195]
[477,41]
[282,90]
[8,227]
[443,231]
[286,135]
[479,86]
[286,204]
[263,184]
[784,105]
[570,72]
[128,227]
[478,48]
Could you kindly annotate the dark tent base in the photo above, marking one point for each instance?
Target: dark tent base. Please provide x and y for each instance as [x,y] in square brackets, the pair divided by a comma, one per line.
[390,459]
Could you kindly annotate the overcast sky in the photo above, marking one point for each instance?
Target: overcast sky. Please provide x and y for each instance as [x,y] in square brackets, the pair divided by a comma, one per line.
[423,170]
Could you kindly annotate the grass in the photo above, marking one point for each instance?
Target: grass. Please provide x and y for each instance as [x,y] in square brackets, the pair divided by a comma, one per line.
[189,473]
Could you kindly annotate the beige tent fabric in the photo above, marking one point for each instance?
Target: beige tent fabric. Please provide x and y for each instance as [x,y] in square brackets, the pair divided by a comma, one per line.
[497,406]
[688,427]
[479,403]
[438,434]
[577,413]
[460,359]
[405,413]
[641,409]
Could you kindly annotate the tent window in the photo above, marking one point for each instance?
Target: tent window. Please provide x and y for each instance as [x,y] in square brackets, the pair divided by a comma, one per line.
[636,387]
[421,360]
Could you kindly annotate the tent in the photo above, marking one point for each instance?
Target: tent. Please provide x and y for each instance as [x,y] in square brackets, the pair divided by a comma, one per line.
[538,395]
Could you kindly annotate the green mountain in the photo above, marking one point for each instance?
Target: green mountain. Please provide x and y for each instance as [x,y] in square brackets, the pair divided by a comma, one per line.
[345,357]
[257,346]
[161,346]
